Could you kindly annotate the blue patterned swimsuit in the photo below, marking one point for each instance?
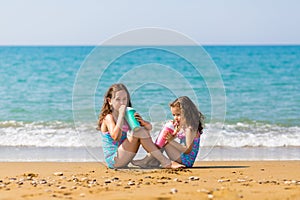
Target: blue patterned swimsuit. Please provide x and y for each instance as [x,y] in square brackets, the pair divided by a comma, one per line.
[110,146]
[189,159]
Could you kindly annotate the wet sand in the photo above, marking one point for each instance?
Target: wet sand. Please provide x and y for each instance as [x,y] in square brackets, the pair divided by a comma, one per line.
[206,180]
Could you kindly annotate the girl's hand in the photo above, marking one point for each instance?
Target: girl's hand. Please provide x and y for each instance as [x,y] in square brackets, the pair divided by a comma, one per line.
[176,128]
[142,122]
[139,119]
[122,110]
[170,137]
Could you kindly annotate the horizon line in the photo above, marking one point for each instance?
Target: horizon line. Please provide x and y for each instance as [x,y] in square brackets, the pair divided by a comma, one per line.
[94,45]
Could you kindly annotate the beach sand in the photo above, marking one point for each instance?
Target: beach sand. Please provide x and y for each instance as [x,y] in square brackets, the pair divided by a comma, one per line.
[206,180]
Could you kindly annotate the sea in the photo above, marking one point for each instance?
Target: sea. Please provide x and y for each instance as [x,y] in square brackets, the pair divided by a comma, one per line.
[51,96]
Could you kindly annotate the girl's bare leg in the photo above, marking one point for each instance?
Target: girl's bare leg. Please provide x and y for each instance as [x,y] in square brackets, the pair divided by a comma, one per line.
[127,151]
[173,153]
[154,163]
[147,162]
[151,148]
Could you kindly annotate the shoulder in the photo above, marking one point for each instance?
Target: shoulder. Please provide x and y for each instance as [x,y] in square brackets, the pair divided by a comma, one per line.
[190,130]
[108,117]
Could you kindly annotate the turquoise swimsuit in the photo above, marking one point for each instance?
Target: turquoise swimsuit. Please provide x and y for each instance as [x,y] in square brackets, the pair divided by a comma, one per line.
[189,159]
[110,146]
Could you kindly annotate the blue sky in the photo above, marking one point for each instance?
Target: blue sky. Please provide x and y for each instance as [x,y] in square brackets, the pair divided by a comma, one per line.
[89,22]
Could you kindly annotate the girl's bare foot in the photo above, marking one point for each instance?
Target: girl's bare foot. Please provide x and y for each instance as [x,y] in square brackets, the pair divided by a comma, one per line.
[141,163]
[153,163]
[173,165]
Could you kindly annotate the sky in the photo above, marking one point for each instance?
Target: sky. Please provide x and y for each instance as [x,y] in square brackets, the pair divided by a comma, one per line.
[208,22]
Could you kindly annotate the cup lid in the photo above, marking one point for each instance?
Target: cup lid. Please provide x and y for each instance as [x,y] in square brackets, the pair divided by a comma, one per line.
[130,108]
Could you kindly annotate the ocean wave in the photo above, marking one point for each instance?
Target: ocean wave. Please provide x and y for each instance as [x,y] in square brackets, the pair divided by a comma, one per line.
[44,134]
[67,134]
[252,135]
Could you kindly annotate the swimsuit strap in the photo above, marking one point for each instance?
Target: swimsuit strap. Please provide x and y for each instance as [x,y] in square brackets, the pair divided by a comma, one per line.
[125,127]
[198,135]
[181,134]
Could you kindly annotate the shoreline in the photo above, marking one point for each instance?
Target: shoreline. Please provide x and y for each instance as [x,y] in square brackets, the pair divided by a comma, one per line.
[206,180]
[95,154]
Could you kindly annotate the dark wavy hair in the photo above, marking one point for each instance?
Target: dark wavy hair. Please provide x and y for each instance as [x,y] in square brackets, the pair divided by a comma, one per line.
[190,115]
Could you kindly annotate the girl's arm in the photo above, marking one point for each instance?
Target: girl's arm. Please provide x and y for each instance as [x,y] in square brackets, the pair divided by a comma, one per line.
[115,129]
[147,125]
[190,135]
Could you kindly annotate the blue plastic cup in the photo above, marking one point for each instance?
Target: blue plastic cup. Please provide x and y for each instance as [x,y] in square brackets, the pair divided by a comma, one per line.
[131,120]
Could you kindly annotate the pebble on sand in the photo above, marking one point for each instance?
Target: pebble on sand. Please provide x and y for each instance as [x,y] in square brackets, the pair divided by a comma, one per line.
[173,191]
[58,173]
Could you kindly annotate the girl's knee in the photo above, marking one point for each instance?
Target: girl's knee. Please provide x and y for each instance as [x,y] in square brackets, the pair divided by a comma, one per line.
[141,133]
[123,157]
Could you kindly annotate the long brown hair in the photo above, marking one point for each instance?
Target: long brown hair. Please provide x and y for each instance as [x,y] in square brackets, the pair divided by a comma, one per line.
[111,92]
[190,115]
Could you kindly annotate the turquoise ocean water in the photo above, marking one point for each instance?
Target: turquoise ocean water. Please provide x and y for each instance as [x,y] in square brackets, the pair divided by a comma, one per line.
[261,83]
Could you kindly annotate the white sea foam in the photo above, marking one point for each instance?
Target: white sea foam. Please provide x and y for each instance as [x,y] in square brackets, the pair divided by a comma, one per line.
[61,134]
[46,134]
[253,135]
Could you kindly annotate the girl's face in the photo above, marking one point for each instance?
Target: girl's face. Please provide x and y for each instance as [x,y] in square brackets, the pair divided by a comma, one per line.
[176,114]
[119,99]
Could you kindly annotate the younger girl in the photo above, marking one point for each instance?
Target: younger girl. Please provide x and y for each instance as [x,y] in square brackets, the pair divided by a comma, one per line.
[118,148]
[189,123]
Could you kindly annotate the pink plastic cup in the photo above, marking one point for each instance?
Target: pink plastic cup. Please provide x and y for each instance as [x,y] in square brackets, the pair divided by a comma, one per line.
[161,139]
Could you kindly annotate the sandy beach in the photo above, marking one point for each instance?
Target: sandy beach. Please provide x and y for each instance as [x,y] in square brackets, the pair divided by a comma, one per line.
[206,180]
